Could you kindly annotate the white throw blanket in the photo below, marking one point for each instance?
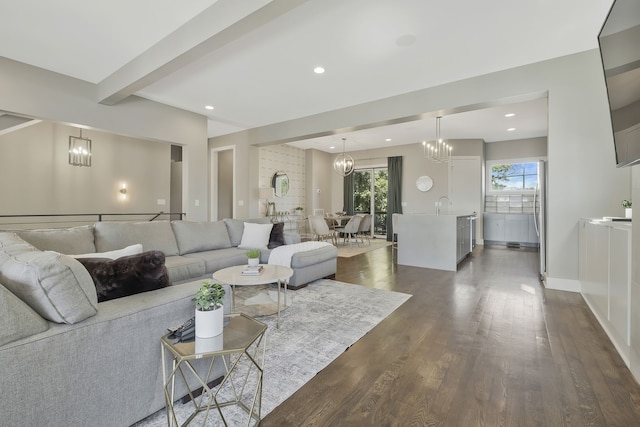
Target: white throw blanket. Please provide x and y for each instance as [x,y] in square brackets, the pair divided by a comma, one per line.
[282,254]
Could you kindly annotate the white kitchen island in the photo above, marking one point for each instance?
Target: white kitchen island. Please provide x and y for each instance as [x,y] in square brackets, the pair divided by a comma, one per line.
[434,241]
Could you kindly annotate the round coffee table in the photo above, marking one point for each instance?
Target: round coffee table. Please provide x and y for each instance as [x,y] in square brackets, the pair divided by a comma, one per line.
[233,277]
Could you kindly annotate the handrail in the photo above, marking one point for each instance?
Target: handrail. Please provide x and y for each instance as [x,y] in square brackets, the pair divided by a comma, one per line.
[99,216]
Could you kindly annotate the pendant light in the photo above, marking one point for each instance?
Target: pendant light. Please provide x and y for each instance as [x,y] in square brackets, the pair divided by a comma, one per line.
[343,163]
[439,152]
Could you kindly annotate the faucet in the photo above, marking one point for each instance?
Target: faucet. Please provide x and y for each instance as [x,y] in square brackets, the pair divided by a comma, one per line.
[440,202]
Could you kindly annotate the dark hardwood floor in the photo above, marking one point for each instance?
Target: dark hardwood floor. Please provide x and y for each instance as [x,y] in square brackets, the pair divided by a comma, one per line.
[485,346]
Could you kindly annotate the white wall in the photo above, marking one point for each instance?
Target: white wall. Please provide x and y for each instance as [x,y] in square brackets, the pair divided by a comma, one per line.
[42,94]
[290,160]
[37,178]
[516,149]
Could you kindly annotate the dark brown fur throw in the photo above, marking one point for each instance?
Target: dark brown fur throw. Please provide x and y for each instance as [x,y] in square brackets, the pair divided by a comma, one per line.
[128,275]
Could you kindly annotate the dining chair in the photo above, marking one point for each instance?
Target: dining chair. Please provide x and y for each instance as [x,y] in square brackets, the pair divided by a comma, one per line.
[364,230]
[320,229]
[332,220]
[350,229]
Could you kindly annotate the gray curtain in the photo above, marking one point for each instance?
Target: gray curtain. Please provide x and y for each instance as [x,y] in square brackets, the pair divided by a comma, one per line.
[394,193]
[347,204]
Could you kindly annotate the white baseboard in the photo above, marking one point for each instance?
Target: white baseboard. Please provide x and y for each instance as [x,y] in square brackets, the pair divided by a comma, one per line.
[570,285]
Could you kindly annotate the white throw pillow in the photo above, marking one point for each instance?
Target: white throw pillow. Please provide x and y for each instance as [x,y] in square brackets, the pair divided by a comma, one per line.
[255,236]
[118,253]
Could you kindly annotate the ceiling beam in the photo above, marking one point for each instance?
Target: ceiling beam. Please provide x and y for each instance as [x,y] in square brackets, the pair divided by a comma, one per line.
[222,23]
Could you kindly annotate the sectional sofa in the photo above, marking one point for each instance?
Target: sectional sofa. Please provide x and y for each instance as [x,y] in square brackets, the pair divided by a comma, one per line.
[71,360]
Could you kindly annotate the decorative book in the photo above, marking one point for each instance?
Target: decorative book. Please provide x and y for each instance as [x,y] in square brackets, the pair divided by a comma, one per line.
[252,270]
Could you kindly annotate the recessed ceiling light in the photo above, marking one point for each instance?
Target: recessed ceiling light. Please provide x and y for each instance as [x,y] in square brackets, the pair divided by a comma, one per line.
[511,129]
[332,148]
[209,107]
[318,70]
[509,114]
[388,139]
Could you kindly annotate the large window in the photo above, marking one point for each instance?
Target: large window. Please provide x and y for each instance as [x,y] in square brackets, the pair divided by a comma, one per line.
[513,177]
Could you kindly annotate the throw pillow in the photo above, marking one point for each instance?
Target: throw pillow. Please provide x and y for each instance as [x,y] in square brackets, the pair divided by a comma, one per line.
[277,235]
[128,275]
[255,236]
[119,253]
[55,286]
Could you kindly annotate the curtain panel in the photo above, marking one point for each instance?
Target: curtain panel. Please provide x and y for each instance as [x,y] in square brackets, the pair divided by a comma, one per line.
[394,194]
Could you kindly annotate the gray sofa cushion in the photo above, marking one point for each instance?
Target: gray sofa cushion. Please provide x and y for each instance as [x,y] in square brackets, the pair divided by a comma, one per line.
[181,268]
[220,258]
[18,320]
[56,286]
[70,241]
[200,236]
[153,235]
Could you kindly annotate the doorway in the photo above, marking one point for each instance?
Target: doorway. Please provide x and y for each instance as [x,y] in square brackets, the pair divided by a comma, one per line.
[223,183]
[370,187]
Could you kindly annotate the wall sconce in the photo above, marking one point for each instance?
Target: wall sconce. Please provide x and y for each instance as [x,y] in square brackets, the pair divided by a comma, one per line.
[79,150]
[123,191]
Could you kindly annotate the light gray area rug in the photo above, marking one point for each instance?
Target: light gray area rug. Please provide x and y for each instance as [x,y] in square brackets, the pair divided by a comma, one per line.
[324,319]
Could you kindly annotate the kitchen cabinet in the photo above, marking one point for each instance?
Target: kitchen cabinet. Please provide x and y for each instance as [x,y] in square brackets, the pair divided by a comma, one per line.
[508,228]
[493,227]
[463,237]
[434,241]
[605,277]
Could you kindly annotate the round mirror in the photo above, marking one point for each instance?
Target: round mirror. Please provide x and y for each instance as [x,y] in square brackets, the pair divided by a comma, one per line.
[280,184]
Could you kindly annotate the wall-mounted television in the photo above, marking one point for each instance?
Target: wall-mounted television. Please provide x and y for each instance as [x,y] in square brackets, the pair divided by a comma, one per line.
[619,41]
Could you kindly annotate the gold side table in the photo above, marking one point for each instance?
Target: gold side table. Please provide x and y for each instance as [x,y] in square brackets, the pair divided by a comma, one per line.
[243,339]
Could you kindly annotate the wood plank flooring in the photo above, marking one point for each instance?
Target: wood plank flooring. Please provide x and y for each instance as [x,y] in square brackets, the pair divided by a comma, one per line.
[483,346]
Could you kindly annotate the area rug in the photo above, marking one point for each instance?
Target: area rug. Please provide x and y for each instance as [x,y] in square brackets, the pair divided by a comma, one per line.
[322,321]
[347,251]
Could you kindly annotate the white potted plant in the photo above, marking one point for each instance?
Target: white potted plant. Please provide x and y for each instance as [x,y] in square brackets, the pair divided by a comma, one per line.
[254,257]
[626,204]
[209,311]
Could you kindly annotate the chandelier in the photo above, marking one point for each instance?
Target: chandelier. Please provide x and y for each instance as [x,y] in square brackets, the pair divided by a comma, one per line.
[79,150]
[439,152]
[343,163]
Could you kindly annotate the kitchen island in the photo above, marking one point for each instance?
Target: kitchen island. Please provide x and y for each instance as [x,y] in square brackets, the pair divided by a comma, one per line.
[435,241]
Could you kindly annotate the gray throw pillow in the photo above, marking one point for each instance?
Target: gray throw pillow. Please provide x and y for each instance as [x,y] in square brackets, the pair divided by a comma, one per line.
[55,286]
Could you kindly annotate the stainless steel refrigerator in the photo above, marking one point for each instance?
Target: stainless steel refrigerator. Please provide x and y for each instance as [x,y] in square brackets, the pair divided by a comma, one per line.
[540,207]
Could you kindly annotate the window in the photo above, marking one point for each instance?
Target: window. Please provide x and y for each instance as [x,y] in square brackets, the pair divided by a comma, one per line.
[513,177]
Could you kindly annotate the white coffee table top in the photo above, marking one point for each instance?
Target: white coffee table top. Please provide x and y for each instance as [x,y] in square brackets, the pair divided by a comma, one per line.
[270,274]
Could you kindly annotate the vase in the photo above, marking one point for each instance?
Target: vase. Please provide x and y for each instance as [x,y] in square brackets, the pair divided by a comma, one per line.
[627,212]
[253,262]
[209,323]
[208,345]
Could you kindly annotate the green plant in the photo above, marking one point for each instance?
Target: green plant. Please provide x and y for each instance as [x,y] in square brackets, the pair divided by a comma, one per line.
[299,208]
[209,296]
[626,204]
[253,253]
